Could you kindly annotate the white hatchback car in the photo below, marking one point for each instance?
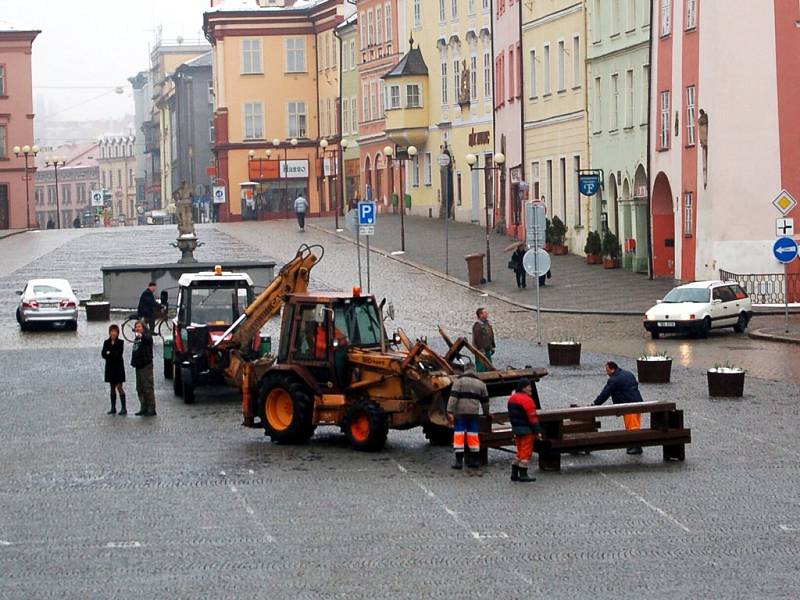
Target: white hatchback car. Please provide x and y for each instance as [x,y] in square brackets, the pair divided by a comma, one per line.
[698,307]
[47,301]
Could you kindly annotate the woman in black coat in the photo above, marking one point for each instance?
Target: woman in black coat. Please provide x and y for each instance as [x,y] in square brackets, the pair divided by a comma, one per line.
[515,264]
[115,369]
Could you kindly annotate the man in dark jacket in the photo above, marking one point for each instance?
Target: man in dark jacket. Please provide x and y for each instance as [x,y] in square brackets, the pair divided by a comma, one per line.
[147,305]
[483,337]
[622,388]
[142,361]
[468,396]
[525,426]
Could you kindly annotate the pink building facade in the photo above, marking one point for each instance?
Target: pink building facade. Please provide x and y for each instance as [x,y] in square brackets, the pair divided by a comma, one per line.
[16,128]
[725,134]
[508,119]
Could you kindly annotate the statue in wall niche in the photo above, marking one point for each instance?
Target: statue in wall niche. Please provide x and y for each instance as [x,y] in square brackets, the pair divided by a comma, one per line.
[463,93]
[183,209]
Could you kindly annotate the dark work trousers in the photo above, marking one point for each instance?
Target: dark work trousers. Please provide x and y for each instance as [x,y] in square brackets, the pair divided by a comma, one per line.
[144,388]
[301,220]
[520,278]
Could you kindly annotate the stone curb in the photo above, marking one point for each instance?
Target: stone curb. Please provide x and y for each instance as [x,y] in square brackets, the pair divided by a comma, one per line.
[760,334]
[495,295]
[13,233]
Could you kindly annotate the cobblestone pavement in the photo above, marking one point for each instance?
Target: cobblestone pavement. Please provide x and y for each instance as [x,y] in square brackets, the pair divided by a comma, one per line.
[190,504]
[574,285]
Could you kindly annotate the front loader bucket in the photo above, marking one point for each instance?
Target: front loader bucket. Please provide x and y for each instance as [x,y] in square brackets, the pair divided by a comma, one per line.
[503,383]
[437,413]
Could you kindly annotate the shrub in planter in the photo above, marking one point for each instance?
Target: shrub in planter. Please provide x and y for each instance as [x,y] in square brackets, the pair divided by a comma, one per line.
[725,381]
[559,235]
[654,368]
[611,251]
[593,248]
[564,353]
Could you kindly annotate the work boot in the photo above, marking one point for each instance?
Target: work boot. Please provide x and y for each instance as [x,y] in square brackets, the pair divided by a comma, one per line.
[634,450]
[523,475]
[141,412]
[473,460]
[150,413]
[514,472]
[123,409]
[458,460]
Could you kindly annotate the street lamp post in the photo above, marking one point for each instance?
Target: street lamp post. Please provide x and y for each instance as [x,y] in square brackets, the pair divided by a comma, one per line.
[323,144]
[277,144]
[411,151]
[27,151]
[56,162]
[499,160]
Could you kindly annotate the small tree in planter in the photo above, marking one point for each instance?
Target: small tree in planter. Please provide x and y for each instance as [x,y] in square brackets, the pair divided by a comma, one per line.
[559,237]
[654,368]
[593,248]
[565,352]
[726,381]
[611,251]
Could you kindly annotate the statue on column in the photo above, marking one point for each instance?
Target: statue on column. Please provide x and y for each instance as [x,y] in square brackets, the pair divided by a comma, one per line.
[464,93]
[183,209]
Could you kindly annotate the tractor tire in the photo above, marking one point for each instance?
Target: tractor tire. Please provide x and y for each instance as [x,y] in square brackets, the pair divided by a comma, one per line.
[741,323]
[286,408]
[438,435]
[177,380]
[167,368]
[188,391]
[366,426]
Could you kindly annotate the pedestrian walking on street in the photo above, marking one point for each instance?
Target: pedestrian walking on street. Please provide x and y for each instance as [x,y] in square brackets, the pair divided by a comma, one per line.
[515,264]
[112,353]
[622,388]
[483,338]
[525,427]
[300,209]
[468,396]
[142,361]
[146,310]
[544,278]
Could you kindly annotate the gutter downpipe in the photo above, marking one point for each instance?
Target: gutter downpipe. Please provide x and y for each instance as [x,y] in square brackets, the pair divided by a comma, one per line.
[649,147]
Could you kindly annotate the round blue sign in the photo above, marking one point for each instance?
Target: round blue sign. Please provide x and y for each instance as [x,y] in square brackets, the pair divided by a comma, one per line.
[784,249]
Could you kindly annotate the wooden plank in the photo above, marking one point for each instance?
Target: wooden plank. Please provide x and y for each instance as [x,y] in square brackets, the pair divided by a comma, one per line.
[612,410]
[621,439]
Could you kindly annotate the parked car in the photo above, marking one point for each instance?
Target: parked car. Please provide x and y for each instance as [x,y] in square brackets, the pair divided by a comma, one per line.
[47,301]
[699,307]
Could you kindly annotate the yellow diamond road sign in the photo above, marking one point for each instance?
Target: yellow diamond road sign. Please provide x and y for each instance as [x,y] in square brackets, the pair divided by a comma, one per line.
[784,202]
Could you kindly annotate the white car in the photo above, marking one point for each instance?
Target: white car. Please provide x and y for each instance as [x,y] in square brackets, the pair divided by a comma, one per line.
[699,307]
[47,301]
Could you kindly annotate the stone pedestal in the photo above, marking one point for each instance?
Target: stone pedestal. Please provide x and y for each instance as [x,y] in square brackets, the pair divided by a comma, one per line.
[187,244]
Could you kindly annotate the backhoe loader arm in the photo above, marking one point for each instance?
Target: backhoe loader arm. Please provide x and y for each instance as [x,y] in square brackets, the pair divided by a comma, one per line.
[291,279]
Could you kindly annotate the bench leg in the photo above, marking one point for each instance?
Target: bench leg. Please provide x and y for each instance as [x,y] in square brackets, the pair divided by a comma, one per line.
[676,452]
[483,455]
[550,461]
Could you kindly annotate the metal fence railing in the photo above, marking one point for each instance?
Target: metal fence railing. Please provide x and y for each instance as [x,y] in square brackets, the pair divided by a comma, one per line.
[765,288]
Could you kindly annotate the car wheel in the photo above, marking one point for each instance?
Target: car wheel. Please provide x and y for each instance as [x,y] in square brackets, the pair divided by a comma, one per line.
[22,324]
[72,325]
[655,334]
[705,327]
[741,323]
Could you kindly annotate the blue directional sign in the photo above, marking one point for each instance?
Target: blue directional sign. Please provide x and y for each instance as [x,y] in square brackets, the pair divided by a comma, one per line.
[366,213]
[589,183]
[784,249]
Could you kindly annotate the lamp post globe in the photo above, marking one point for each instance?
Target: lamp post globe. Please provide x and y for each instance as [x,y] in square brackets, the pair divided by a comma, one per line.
[499,158]
[17,149]
[344,144]
[293,142]
[471,159]
[268,152]
[35,149]
[276,142]
[323,144]
[252,154]
[388,151]
[412,150]
[26,149]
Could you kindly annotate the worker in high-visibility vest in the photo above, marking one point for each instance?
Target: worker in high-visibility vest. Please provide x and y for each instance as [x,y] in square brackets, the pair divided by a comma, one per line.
[468,396]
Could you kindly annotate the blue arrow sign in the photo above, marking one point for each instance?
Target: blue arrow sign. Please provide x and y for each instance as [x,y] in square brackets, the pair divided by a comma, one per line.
[589,184]
[784,249]
[366,213]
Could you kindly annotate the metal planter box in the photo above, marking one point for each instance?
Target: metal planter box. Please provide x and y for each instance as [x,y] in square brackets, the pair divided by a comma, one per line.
[654,371]
[726,385]
[564,355]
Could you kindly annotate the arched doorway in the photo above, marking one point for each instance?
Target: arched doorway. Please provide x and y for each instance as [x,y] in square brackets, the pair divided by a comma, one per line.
[626,229]
[663,228]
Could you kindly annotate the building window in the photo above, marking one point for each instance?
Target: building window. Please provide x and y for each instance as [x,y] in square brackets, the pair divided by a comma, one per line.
[373,99]
[487,74]
[454,8]
[251,56]
[598,105]
[295,55]
[631,23]
[691,14]
[614,102]
[345,116]
[444,82]
[473,78]
[253,120]
[456,80]
[471,7]
[417,13]
[563,165]
[576,62]
[561,78]
[370,28]
[631,97]
[518,70]
[615,17]
[363,19]
[389,32]
[511,86]
[597,30]
[687,214]
[334,51]
[442,15]
[394,96]
[412,95]
[664,123]
[533,74]
[428,169]
[3,142]
[645,94]
[415,171]
[297,119]
[354,113]
[352,54]
[212,133]
[458,188]
[365,101]
[550,186]
[666,17]
[384,97]
[576,161]
[690,116]
[3,80]
[547,69]
[379,26]
[535,179]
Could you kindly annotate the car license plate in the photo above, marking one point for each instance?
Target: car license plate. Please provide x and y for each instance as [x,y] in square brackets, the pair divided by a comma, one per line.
[48,305]
[666,323]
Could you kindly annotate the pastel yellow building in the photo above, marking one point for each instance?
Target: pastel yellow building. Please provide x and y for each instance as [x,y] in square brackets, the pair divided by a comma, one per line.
[555,137]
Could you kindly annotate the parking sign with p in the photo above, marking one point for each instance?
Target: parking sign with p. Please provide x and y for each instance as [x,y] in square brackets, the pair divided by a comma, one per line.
[366,213]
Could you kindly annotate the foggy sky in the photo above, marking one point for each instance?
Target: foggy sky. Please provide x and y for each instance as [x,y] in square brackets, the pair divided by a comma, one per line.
[96,43]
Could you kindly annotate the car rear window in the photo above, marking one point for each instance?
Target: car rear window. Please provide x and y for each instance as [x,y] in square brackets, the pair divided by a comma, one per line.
[46,289]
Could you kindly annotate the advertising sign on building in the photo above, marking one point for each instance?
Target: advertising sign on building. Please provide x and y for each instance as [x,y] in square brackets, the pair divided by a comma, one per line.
[329,167]
[294,169]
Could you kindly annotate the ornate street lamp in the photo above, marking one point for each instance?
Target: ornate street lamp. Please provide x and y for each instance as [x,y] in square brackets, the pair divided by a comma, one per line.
[499,160]
[56,162]
[411,152]
[27,151]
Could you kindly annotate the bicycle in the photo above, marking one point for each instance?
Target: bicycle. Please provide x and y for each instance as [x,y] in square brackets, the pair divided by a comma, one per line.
[163,325]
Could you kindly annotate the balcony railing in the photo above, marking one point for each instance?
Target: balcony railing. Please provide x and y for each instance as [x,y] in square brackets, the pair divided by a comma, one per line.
[765,288]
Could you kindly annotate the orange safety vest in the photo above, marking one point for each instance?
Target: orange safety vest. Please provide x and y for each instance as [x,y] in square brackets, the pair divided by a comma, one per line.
[320,342]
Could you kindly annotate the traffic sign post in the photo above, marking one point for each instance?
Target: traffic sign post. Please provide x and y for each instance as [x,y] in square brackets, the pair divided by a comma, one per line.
[97,198]
[784,227]
[536,261]
[367,213]
[785,251]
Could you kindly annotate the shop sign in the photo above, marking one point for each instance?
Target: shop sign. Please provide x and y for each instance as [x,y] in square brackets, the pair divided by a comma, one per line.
[479,138]
[294,169]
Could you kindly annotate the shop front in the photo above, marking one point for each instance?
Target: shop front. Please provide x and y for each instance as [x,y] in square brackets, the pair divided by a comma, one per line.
[273,187]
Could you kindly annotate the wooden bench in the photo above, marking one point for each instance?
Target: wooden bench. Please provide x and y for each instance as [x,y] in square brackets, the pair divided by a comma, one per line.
[571,430]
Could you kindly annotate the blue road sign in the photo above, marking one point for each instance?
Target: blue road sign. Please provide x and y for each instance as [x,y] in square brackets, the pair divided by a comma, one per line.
[589,184]
[366,213]
[784,249]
